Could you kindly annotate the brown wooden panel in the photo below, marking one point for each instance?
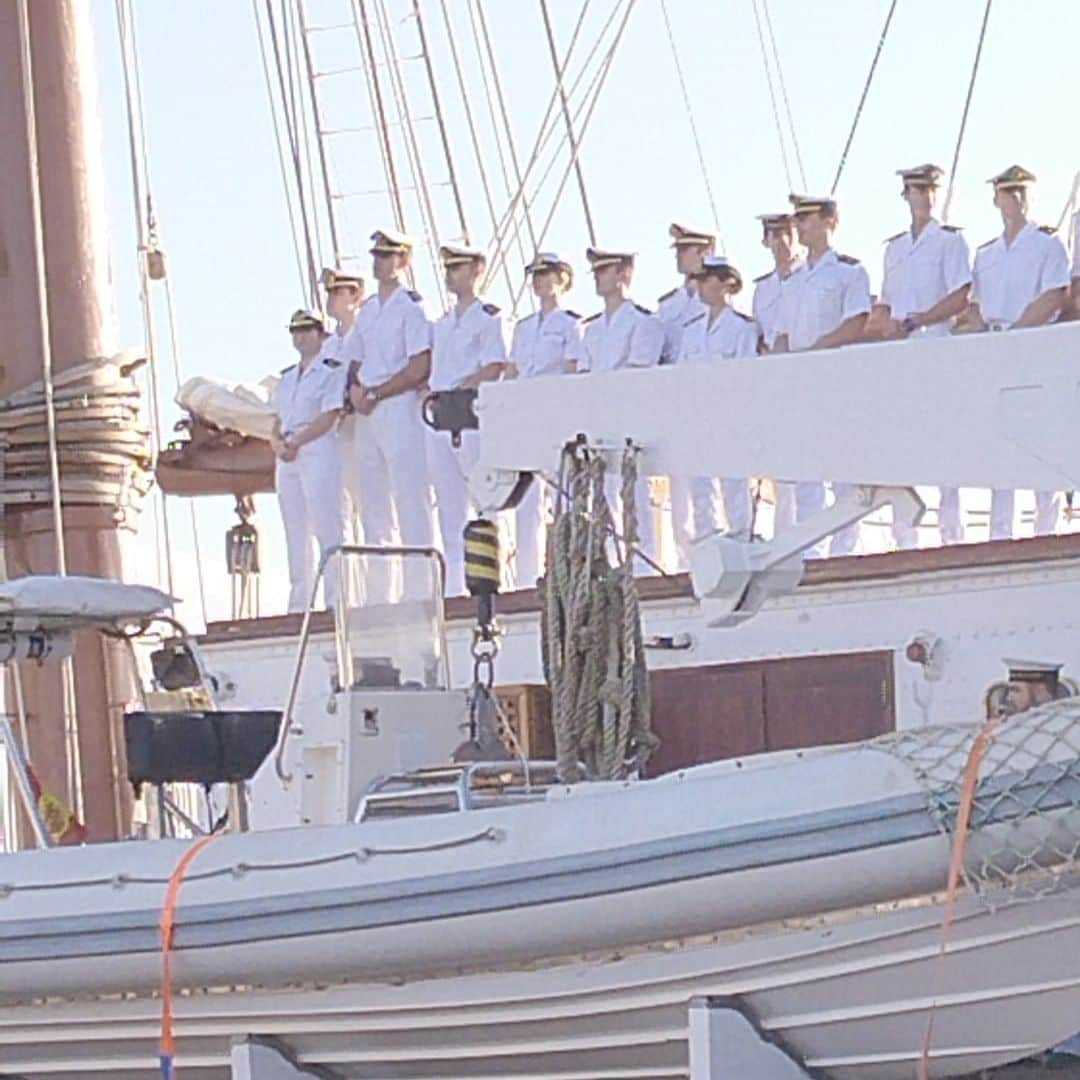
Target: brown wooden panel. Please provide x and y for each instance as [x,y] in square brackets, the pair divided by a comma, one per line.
[705,714]
[814,700]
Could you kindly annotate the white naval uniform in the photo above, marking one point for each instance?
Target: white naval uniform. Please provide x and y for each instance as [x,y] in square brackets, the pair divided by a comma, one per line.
[768,290]
[919,272]
[462,344]
[631,337]
[345,349]
[541,345]
[309,487]
[1007,278]
[1076,245]
[674,309]
[390,452]
[815,300]
[730,336]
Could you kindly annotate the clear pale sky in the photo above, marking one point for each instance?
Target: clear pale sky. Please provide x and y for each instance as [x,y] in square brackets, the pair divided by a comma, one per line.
[223,212]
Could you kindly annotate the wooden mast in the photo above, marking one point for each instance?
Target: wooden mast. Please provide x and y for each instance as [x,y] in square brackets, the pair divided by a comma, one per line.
[82,326]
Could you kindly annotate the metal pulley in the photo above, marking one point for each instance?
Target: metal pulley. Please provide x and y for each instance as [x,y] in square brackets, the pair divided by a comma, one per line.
[155,263]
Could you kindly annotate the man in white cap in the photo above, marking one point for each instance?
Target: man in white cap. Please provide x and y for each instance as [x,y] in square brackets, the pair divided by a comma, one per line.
[547,342]
[395,341]
[825,304]
[623,335]
[344,296]
[308,401]
[673,309]
[1074,288]
[1021,279]
[925,287]
[1031,683]
[468,348]
[719,334]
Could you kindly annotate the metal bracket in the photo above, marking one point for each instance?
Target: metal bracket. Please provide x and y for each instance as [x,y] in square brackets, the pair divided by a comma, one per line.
[725,1044]
[17,764]
[254,1058]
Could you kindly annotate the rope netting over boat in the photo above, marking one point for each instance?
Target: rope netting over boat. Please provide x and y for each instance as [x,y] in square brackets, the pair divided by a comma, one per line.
[102,442]
[1024,831]
[593,654]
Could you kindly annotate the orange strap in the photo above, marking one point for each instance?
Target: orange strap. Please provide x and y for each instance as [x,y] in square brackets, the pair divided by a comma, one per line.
[167,922]
[956,865]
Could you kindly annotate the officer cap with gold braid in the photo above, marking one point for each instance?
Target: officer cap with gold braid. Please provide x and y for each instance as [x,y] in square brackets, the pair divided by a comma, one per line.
[304,320]
[1015,176]
[811,204]
[782,219]
[599,258]
[1033,671]
[686,236]
[549,260]
[459,254]
[927,176]
[390,242]
[331,279]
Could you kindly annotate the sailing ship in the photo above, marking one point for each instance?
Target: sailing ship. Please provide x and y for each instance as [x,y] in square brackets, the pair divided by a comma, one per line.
[348,899]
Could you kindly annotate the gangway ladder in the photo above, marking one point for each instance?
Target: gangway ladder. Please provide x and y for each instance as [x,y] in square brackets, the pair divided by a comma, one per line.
[358,46]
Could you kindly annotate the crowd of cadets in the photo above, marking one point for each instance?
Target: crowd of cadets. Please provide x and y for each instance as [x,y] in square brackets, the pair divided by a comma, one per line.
[349,413]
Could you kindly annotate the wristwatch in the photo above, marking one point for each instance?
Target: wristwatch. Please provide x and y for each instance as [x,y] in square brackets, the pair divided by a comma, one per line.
[909,325]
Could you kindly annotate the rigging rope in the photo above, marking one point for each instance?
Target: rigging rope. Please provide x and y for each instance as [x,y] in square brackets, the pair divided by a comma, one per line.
[693,123]
[964,117]
[772,98]
[862,98]
[783,92]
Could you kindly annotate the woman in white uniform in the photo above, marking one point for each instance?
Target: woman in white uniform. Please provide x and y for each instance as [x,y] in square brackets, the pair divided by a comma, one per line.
[308,400]
[548,342]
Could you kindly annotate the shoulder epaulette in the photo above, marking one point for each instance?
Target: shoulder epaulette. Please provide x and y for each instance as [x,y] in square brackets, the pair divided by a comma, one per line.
[987,244]
[890,239]
[1048,229]
[284,370]
[696,318]
[745,318]
[764,276]
[331,361]
[573,314]
[413,295]
[849,260]
[643,310]
[492,309]
[667,296]
[952,228]
[591,318]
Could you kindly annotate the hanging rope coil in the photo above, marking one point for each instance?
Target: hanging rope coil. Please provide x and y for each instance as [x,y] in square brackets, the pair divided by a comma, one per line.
[594,658]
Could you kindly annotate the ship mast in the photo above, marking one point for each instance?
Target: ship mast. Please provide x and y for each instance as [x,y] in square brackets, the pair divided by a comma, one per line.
[77,761]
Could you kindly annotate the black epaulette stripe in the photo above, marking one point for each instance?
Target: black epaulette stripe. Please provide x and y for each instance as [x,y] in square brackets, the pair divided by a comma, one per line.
[329,361]
[593,317]
[696,318]
[952,228]
[285,370]
[667,296]
[492,309]
[745,318]
[764,276]
[413,295]
[849,260]
[1048,229]
[890,239]
[572,314]
[643,310]
[988,243]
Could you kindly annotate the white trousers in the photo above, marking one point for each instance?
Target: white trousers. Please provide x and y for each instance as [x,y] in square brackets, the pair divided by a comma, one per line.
[391,473]
[1002,507]
[646,531]
[796,502]
[952,531]
[530,535]
[845,540]
[448,468]
[310,496]
[696,504]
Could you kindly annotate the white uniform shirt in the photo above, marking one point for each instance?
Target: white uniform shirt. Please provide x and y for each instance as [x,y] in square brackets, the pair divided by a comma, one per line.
[462,344]
[343,347]
[389,334]
[1008,277]
[632,337]
[1076,244]
[921,271]
[674,310]
[816,299]
[542,343]
[300,397]
[768,290]
[731,336]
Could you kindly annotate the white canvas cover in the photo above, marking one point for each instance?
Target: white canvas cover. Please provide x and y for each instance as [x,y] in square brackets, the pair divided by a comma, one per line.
[234,406]
[69,601]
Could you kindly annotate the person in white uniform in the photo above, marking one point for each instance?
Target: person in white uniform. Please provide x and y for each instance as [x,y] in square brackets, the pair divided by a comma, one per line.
[308,400]
[344,295]
[778,236]
[1021,279]
[1074,288]
[924,288]
[719,334]
[548,342]
[394,338]
[623,335]
[468,348]
[674,309]
[824,305]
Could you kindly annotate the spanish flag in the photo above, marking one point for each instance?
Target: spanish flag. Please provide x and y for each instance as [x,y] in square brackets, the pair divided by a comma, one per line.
[64,827]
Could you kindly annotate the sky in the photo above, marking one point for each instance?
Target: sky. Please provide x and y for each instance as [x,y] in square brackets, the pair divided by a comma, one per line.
[223,213]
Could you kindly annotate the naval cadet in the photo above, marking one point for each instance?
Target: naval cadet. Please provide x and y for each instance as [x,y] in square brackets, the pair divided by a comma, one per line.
[344,295]
[623,335]
[308,401]
[673,309]
[1031,683]
[1074,288]
[927,278]
[1021,279]
[825,304]
[547,342]
[395,342]
[718,334]
[778,236]
[468,348]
